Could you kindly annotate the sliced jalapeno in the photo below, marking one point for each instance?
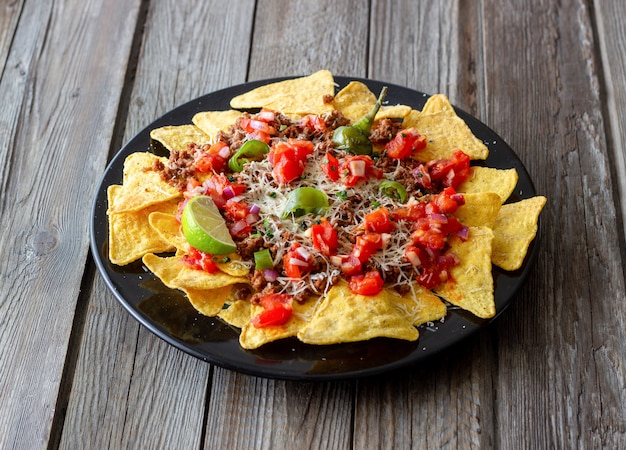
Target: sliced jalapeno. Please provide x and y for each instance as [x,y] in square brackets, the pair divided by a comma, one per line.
[250,149]
[393,189]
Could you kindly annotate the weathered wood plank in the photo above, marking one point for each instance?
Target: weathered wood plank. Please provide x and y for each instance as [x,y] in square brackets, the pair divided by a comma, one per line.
[50,132]
[561,374]
[446,402]
[611,31]
[9,15]
[143,393]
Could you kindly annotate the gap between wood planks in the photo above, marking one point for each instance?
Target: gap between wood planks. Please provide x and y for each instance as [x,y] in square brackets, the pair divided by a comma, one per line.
[614,153]
[89,275]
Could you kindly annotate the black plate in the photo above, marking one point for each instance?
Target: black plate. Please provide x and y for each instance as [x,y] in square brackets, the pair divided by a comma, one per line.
[169,315]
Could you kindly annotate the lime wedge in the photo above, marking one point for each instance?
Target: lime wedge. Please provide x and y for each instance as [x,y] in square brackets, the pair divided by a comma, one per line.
[204,227]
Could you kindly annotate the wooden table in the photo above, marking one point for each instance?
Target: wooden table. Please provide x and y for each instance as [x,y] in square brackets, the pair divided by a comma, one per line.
[80,78]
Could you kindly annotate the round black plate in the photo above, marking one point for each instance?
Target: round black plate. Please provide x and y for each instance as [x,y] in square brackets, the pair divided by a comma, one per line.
[169,315]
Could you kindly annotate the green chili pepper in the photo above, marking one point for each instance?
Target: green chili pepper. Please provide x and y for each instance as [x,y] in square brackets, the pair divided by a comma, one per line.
[263,259]
[393,189]
[355,138]
[249,149]
[305,200]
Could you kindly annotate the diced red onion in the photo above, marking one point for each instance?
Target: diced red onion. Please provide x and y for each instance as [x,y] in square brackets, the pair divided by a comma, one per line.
[238,226]
[224,152]
[357,168]
[298,262]
[254,209]
[228,192]
[336,260]
[252,218]
[413,258]
[270,274]
[303,252]
[463,233]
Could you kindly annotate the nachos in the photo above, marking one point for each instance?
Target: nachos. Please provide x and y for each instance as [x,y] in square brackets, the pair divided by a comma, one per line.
[347,218]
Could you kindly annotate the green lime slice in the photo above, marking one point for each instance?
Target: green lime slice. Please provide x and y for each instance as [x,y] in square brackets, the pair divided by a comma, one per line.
[305,200]
[204,227]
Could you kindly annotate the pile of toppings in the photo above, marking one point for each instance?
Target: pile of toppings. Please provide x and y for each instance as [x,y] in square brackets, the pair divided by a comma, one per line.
[305,209]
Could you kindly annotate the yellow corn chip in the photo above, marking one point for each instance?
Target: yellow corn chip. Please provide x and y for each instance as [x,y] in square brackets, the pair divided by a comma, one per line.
[297,96]
[356,100]
[488,179]
[480,209]
[471,283]
[208,301]
[346,317]
[515,228]
[212,122]
[237,313]
[234,266]
[438,103]
[252,337]
[176,275]
[445,133]
[419,305]
[141,185]
[130,234]
[169,229]
[178,137]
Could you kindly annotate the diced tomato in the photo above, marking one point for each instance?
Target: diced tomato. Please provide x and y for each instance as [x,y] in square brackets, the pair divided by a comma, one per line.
[235,210]
[324,238]
[272,317]
[411,212]
[277,310]
[221,189]
[405,144]
[330,166]
[366,245]
[313,122]
[297,261]
[439,174]
[288,159]
[370,283]
[359,167]
[266,115]
[350,265]
[379,221]
[199,260]
[448,201]
[212,160]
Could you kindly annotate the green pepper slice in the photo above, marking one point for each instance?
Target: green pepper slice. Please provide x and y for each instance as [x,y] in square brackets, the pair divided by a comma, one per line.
[355,138]
[305,200]
[250,149]
[393,189]
[263,259]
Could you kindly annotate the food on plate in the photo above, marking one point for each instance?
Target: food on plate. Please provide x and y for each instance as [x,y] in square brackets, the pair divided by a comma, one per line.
[326,216]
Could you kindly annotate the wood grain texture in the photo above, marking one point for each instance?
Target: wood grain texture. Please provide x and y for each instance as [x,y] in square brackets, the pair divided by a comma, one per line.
[560,362]
[49,133]
[147,393]
[611,32]
[338,30]
[9,16]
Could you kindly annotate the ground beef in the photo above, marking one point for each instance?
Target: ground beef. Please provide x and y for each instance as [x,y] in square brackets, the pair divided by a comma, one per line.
[384,130]
[180,168]
[250,244]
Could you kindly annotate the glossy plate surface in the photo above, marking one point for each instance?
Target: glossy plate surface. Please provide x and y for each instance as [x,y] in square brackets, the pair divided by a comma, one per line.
[169,315]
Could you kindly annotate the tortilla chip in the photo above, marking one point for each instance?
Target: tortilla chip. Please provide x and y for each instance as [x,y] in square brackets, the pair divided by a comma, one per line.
[178,137]
[480,209]
[488,179]
[236,313]
[234,266]
[212,122]
[208,301]
[141,185]
[346,317]
[445,132]
[176,275]
[297,96]
[130,233]
[252,337]
[166,226]
[356,100]
[419,305]
[515,228]
[438,103]
[471,283]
